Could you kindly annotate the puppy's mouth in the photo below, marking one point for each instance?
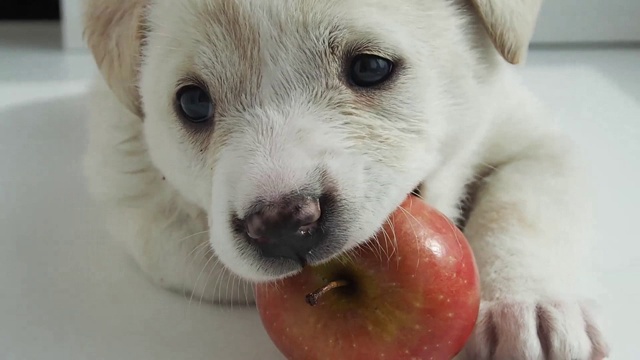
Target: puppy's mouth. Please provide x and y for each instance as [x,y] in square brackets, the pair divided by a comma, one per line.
[328,234]
[417,191]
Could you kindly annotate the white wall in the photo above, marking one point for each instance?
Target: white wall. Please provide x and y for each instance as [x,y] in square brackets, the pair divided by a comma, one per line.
[561,21]
[72,24]
[567,21]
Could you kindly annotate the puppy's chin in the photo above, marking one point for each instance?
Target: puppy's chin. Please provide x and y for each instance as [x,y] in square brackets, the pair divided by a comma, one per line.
[258,268]
[261,269]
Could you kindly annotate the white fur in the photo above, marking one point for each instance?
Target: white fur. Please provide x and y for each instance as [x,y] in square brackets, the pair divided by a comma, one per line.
[456,112]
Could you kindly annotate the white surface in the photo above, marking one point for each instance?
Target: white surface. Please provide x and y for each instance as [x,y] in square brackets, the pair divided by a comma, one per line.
[67,292]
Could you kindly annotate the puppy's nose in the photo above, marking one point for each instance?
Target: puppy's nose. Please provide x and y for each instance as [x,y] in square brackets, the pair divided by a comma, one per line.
[286,229]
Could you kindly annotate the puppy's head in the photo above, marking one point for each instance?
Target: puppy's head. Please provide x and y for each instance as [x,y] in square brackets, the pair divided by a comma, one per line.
[298,125]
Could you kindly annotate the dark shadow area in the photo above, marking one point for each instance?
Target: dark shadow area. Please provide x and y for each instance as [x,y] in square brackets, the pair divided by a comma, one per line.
[29,10]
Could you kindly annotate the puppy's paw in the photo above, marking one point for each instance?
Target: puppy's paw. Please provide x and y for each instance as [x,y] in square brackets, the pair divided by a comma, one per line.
[550,330]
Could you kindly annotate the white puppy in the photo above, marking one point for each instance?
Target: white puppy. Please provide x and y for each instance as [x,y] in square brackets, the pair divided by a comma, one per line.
[234,141]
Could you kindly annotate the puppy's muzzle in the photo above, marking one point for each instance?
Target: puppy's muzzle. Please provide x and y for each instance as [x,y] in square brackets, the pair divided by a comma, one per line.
[288,228]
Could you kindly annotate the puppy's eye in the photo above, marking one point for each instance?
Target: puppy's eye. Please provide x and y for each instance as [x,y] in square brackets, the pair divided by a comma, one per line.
[195,104]
[370,70]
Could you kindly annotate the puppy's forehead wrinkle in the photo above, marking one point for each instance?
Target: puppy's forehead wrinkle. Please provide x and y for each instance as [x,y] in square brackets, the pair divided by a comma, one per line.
[305,64]
[257,49]
[230,40]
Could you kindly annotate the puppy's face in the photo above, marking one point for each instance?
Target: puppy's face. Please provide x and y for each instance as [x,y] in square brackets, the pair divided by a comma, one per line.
[298,125]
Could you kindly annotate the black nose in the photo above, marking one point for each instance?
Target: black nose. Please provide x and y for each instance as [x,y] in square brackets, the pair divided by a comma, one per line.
[289,228]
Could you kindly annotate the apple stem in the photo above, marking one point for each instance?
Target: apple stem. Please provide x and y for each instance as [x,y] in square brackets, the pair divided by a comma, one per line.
[314,297]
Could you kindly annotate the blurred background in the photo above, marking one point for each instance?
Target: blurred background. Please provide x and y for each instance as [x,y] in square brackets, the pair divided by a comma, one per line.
[67,292]
[561,21]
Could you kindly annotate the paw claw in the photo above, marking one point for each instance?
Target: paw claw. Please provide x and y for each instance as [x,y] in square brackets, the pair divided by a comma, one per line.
[551,330]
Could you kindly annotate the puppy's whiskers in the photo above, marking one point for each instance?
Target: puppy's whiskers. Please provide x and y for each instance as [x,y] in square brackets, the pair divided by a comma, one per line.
[193,255]
[192,236]
[195,286]
[385,249]
[375,248]
[214,266]
[394,240]
[228,294]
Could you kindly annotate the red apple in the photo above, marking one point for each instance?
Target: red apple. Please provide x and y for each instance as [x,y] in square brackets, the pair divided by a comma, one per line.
[412,294]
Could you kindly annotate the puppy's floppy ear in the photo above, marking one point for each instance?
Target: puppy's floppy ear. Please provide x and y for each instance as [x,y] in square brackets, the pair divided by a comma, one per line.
[510,24]
[114,31]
